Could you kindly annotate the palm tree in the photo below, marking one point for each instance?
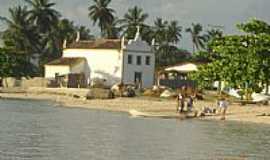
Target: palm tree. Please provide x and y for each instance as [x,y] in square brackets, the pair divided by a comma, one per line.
[212,34]
[113,31]
[133,18]
[20,41]
[43,15]
[166,32]
[197,39]
[85,33]
[65,30]
[167,35]
[174,32]
[101,13]
[21,35]
[159,30]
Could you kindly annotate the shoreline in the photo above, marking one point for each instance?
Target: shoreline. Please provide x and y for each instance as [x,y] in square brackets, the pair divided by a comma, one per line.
[154,107]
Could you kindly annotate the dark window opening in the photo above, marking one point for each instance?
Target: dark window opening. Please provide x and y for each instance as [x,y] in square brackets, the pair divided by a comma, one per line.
[147,60]
[139,60]
[138,77]
[129,59]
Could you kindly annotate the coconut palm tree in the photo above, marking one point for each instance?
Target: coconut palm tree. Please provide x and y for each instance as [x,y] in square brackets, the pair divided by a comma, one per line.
[85,33]
[43,15]
[66,30]
[174,32]
[20,41]
[101,13]
[164,31]
[113,30]
[21,35]
[167,35]
[159,30]
[197,39]
[212,34]
[133,18]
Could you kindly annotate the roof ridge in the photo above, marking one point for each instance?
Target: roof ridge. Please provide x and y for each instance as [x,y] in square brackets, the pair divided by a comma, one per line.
[97,44]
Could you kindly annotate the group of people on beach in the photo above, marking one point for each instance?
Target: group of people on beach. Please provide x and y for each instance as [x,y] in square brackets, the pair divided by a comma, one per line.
[187,101]
[181,99]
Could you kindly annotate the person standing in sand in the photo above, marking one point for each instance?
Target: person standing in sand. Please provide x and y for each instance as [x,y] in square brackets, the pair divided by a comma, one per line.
[223,106]
[180,103]
[190,103]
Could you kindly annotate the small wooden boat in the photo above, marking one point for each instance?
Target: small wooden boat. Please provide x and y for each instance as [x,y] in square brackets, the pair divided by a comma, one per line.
[135,113]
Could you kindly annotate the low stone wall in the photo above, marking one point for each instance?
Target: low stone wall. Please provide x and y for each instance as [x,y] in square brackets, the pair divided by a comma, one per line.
[11,82]
[34,82]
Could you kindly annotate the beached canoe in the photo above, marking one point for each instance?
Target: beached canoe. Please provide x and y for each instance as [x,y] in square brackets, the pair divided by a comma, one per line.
[135,113]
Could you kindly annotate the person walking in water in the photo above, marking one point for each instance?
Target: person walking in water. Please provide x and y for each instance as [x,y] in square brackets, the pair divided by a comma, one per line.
[180,103]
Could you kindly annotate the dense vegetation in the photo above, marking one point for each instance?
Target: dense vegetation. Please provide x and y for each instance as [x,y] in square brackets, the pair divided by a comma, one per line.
[241,61]
[37,31]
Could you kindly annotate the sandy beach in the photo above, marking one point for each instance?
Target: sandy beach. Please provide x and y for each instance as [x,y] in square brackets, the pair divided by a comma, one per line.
[152,106]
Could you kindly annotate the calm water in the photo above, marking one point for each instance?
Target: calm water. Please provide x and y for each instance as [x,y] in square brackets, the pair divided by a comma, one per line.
[31,130]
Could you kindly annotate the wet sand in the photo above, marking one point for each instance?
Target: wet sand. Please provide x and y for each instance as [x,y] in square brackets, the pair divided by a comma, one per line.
[152,106]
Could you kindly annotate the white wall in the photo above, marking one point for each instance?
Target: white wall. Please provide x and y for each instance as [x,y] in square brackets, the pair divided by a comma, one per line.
[139,48]
[79,67]
[102,63]
[51,70]
[146,70]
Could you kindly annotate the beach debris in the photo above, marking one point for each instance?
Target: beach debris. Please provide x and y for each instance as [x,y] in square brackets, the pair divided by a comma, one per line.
[76,96]
[200,114]
[168,94]
[208,110]
[257,97]
[264,115]
[152,93]
[148,92]
[99,93]
[156,88]
[115,87]
[129,92]
[123,90]
[98,83]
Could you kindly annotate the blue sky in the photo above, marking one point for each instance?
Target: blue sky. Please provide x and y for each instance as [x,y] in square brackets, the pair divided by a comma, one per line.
[207,12]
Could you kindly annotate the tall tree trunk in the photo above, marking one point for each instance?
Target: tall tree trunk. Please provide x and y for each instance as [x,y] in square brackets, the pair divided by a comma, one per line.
[267,87]
[193,48]
[219,87]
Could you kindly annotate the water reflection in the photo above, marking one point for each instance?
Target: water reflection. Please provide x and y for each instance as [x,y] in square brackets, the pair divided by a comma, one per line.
[37,130]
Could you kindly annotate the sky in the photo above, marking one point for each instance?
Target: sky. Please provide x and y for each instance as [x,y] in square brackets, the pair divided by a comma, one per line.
[226,13]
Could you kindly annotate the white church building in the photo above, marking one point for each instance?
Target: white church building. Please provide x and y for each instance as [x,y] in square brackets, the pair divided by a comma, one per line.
[111,60]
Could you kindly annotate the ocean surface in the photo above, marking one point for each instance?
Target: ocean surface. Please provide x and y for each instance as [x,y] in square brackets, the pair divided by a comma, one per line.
[41,130]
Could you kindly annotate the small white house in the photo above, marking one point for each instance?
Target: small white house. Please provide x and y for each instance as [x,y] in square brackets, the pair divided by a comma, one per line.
[65,66]
[112,60]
